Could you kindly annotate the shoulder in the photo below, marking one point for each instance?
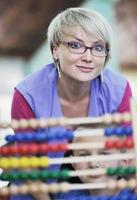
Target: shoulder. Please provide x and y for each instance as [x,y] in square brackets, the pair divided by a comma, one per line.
[38,79]
[114,82]
[113,77]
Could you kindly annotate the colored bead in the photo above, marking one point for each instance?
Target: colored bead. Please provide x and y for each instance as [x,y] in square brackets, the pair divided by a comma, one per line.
[128,131]
[4,151]
[64,174]
[10,138]
[4,177]
[44,175]
[112,184]
[23,149]
[121,184]
[131,170]
[119,131]
[119,144]
[33,188]
[33,149]
[29,137]
[111,171]
[13,189]
[23,175]
[23,189]
[14,176]
[62,147]
[19,137]
[108,132]
[33,162]
[121,171]
[109,144]
[43,162]
[43,188]
[14,150]
[54,187]
[4,163]
[54,174]
[53,147]
[39,137]
[132,183]
[34,175]
[14,163]
[43,148]
[24,162]
[129,143]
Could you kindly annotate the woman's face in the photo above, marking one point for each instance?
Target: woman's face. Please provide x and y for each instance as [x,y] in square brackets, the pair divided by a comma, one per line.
[81,67]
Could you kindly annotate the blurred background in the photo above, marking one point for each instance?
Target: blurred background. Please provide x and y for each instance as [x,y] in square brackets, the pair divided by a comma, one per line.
[24,48]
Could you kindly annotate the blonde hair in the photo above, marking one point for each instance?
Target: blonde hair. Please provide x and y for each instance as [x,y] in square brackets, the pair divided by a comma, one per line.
[88,19]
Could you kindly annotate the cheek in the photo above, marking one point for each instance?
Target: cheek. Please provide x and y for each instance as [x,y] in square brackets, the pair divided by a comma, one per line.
[81,166]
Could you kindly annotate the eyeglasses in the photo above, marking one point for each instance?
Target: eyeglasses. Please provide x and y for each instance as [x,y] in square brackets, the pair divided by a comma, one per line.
[98,50]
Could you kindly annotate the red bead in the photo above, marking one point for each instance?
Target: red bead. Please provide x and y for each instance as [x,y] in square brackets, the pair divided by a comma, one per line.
[14,150]
[33,149]
[24,149]
[5,151]
[63,147]
[119,144]
[43,148]
[109,144]
[129,143]
[53,147]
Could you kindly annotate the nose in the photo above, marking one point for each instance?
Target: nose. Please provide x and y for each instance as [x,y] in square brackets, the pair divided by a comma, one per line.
[87,56]
[94,165]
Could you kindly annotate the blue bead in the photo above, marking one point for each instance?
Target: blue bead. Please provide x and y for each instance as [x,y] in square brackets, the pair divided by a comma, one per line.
[29,137]
[119,131]
[19,137]
[39,137]
[10,138]
[114,197]
[70,135]
[108,132]
[128,131]
[50,136]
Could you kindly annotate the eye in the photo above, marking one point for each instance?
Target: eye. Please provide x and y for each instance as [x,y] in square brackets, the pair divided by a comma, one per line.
[75,45]
[99,48]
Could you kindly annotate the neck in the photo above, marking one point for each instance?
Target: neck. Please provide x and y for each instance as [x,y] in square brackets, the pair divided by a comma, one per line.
[72,90]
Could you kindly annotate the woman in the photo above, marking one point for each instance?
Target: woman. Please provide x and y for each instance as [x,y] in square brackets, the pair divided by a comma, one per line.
[77,83]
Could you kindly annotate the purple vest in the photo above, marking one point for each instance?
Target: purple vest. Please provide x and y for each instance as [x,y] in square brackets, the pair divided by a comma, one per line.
[40,91]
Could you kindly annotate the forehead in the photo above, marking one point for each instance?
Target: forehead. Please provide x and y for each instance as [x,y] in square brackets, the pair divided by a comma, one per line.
[81,34]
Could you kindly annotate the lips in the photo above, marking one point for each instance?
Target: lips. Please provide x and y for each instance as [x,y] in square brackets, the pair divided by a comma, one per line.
[85,69]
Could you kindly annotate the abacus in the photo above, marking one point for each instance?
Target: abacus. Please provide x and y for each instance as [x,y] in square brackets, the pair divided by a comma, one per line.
[27,151]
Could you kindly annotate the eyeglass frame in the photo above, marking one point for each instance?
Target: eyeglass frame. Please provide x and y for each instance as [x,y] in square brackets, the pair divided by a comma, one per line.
[67,44]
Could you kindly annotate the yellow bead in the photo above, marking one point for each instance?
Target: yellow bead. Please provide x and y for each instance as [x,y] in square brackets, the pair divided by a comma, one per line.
[43,162]
[34,162]
[14,162]
[4,163]
[24,162]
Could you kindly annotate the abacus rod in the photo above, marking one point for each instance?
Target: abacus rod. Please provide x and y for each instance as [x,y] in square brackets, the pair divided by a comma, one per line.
[35,123]
[92,158]
[86,172]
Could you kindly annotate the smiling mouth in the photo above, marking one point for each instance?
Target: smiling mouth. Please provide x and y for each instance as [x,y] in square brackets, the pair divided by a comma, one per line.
[85,69]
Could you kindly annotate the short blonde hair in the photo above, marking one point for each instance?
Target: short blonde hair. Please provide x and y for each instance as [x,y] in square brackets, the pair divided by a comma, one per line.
[88,19]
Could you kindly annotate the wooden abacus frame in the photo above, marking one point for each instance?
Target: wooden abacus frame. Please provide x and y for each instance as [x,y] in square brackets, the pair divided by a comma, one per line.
[43,123]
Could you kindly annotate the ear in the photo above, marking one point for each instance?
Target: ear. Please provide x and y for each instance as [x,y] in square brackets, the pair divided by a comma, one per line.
[54,51]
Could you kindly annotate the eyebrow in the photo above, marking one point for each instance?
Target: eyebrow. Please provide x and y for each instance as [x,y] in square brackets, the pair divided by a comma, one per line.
[96,42]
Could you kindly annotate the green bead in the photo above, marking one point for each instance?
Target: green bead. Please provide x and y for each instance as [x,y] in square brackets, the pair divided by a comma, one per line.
[64,174]
[4,177]
[121,170]
[23,175]
[14,176]
[131,170]
[44,175]
[34,175]
[111,171]
[54,174]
